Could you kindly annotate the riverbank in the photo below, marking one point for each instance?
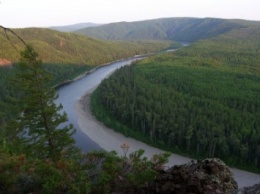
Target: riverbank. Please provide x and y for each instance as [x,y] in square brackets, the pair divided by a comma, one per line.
[136,57]
[110,140]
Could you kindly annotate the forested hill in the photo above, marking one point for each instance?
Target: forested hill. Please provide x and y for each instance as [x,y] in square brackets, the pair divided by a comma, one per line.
[202,100]
[179,29]
[60,47]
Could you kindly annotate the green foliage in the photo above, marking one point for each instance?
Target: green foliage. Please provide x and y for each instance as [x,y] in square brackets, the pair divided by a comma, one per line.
[110,173]
[64,55]
[61,72]
[38,153]
[202,100]
[20,174]
[65,72]
[95,172]
[38,128]
[5,91]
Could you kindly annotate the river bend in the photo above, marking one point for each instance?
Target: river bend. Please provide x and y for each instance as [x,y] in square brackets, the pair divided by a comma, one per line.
[93,135]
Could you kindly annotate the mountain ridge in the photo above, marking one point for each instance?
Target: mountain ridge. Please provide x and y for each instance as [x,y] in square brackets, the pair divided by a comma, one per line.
[74,27]
[178,29]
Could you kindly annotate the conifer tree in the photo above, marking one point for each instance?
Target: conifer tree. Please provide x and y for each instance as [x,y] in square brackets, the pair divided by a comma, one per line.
[41,125]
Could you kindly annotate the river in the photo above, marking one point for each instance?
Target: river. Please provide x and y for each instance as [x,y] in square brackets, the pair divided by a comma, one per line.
[71,92]
[93,135]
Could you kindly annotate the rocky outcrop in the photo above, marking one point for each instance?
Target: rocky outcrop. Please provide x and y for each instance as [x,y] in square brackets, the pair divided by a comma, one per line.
[5,62]
[249,190]
[209,176]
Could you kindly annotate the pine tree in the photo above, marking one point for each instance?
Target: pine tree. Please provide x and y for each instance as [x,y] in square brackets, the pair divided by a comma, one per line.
[41,124]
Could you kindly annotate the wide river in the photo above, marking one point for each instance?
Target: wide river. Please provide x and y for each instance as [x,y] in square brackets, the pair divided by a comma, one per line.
[70,93]
[99,137]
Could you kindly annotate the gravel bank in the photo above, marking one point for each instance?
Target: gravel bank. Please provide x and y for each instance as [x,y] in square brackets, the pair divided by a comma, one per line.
[110,140]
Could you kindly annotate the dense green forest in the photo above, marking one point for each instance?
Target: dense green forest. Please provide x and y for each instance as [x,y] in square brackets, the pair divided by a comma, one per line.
[64,55]
[38,154]
[34,154]
[178,29]
[202,100]
[62,72]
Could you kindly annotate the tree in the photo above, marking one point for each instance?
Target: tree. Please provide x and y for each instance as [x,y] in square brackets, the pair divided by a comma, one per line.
[40,126]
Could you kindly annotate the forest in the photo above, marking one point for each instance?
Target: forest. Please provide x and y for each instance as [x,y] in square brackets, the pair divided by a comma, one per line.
[64,55]
[68,48]
[38,153]
[62,72]
[201,101]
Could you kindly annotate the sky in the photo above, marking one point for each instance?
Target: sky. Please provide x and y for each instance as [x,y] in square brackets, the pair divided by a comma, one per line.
[45,13]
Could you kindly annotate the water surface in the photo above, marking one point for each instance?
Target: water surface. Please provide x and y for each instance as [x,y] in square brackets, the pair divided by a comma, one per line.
[71,92]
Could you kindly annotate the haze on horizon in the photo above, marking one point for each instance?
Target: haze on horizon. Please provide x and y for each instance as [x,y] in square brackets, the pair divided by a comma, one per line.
[45,13]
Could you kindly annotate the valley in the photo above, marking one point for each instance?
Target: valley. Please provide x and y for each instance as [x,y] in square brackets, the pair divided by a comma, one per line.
[198,101]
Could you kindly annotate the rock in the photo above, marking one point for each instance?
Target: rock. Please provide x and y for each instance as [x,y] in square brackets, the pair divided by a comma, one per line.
[209,176]
[5,62]
[255,189]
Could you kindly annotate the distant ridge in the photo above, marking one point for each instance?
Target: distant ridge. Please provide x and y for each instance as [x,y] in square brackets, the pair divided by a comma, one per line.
[178,29]
[74,27]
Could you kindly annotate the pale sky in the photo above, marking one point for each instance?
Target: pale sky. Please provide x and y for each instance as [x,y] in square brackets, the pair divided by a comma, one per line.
[44,13]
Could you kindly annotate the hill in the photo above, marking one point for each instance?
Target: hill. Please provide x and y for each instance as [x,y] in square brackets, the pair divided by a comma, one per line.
[178,29]
[60,47]
[202,100]
[65,56]
[73,27]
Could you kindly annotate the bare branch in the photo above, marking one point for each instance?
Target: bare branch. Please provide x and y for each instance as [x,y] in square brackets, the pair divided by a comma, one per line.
[12,32]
